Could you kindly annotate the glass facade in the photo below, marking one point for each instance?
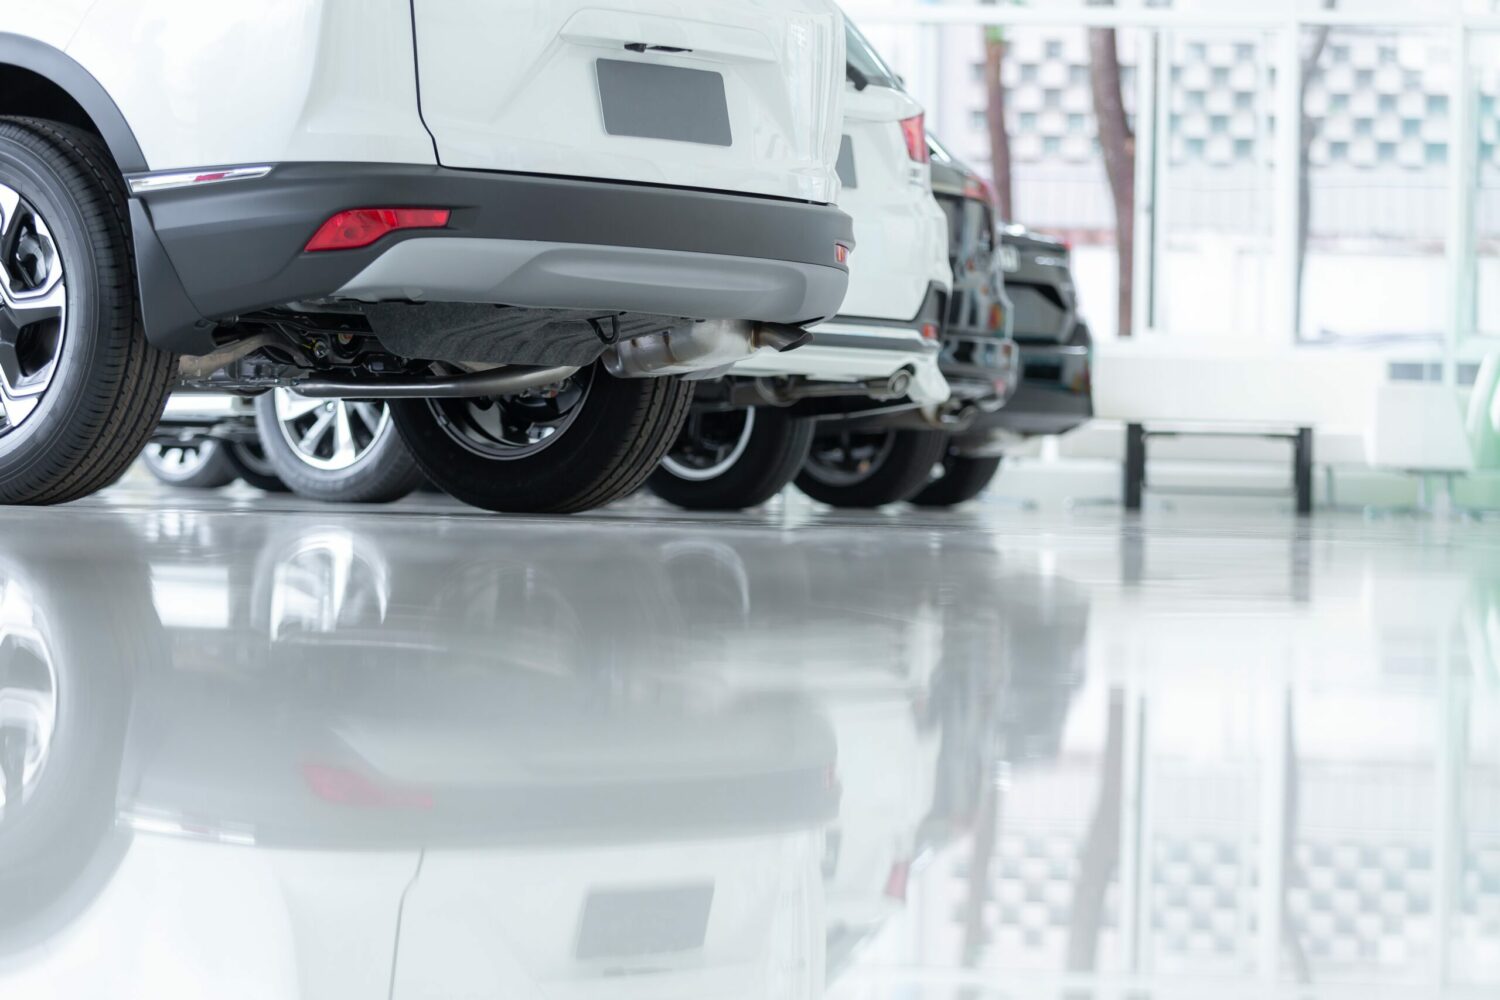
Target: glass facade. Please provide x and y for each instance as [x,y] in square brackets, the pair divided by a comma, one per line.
[1313,172]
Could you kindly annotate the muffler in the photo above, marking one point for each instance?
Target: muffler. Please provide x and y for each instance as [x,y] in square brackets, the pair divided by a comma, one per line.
[502,381]
[699,347]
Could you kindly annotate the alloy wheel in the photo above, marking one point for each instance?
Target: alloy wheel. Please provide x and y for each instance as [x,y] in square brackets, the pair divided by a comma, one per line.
[331,434]
[33,309]
[848,458]
[710,444]
[180,459]
[507,428]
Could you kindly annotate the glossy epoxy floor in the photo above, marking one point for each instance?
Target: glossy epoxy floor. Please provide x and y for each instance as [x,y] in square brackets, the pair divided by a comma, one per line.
[257,748]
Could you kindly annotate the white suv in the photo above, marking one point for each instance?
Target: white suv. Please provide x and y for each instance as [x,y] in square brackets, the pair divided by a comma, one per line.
[745,442]
[509,217]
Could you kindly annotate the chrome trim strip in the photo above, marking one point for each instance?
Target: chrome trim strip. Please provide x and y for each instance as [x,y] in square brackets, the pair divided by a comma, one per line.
[142,183]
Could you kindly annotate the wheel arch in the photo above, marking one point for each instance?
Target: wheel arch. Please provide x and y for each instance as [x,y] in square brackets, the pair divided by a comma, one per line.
[42,81]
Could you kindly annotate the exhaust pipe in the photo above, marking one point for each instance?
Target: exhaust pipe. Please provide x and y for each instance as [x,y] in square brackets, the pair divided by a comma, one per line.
[699,347]
[501,381]
[788,393]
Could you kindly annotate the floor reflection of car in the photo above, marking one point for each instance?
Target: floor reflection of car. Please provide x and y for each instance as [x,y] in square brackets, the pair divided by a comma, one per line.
[376,797]
[868,665]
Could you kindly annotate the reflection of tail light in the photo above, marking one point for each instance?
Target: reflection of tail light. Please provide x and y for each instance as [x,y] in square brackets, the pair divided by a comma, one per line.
[914,130]
[896,883]
[344,787]
[997,316]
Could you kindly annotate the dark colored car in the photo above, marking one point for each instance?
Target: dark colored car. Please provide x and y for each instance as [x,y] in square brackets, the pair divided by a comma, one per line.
[979,358]
[1054,394]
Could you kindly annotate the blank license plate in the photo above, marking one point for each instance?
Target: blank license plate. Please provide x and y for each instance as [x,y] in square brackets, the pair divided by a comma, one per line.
[644,923]
[664,102]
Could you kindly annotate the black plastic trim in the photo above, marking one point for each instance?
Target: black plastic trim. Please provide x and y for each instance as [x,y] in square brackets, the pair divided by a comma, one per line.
[58,67]
[170,318]
[873,341]
[237,245]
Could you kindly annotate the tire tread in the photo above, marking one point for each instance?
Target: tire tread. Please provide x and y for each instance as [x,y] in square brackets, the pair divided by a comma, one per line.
[128,386]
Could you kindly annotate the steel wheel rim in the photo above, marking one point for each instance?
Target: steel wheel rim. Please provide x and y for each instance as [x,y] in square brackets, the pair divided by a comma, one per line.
[849,459]
[510,428]
[33,309]
[703,453]
[331,434]
[179,459]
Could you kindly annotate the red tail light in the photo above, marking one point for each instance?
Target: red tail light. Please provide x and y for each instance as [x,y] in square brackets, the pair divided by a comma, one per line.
[898,881]
[841,253]
[979,189]
[359,227]
[915,131]
[342,786]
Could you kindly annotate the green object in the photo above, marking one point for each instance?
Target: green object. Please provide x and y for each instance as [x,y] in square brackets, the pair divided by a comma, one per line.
[1484,416]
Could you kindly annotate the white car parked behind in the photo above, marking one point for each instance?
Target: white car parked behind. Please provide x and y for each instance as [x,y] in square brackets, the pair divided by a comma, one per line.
[739,448]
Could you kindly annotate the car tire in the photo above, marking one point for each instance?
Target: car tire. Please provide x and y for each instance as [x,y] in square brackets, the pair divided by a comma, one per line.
[732,460]
[357,456]
[582,444]
[962,480]
[251,465]
[869,469]
[84,390]
[203,464]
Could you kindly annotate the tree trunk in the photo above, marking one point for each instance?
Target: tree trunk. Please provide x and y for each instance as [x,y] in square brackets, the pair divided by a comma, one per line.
[994,83]
[1312,60]
[1099,855]
[1118,144]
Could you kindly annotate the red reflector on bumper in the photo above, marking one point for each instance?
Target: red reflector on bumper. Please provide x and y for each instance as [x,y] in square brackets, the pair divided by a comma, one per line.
[359,227]
[930,331]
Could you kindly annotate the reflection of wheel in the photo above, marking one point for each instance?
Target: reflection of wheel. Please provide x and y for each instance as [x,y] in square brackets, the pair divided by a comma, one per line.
[252,465]
[338,450]
[72,636]
[731,460]
[870,468]
[199,464]
[81,390]
[962,480]
[572,446]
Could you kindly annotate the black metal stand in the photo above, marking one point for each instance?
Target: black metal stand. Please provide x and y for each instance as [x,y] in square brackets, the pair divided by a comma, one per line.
[1137,437]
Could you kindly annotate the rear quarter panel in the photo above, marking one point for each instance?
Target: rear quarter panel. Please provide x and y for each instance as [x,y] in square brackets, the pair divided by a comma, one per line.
[52,22]
[900,231]
[211,84]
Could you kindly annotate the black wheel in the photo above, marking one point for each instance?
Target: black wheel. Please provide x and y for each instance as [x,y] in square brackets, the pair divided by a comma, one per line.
[732,460]
[81,391]
[251,464]
[335,450]
[962,480]
[573,446]
[866,469]
[197,464]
